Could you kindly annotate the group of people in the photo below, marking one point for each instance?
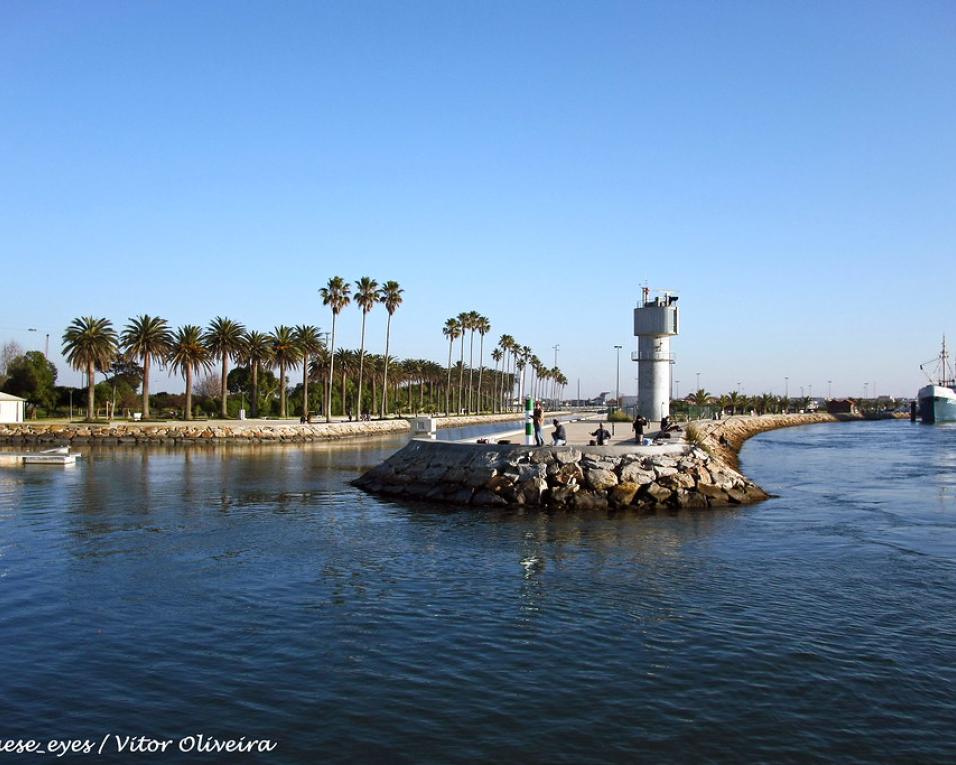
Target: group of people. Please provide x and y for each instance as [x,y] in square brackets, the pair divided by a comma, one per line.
[559,436]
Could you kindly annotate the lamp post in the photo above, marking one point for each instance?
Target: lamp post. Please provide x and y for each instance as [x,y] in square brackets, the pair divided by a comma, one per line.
[698,381]
[829,390]
[618,384]
[676,390]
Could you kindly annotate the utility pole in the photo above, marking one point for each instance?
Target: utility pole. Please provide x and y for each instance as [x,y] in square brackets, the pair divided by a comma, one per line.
[618,389]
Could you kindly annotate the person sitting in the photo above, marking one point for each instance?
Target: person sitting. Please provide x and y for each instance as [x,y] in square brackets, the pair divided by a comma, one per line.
[559,436]
[601,435]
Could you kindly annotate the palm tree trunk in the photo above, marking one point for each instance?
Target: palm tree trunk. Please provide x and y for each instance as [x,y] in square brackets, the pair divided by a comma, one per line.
[305,385]
[388,333]
[471,367]
[90,395]
[146,386]
[225,374]
[328,387]
[481,353]
[358,395]
[343,389]
[255,389]
[281,389]
[188,414]
[461,374]
[448,385]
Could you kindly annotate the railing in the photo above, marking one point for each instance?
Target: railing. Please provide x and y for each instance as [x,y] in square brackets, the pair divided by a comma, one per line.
[652,356]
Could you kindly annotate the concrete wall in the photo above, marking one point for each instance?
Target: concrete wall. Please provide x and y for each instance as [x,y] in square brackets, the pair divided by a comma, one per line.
[11,411]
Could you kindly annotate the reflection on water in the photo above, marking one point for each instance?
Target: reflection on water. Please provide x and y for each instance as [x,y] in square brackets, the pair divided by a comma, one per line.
[252,591]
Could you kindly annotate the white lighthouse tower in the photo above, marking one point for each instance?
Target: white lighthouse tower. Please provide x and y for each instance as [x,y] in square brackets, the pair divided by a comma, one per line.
[655,321]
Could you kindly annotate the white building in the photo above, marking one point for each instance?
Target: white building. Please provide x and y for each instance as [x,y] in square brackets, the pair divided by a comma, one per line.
[11,408]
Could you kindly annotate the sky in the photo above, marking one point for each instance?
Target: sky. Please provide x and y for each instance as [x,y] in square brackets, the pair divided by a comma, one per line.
[786,168]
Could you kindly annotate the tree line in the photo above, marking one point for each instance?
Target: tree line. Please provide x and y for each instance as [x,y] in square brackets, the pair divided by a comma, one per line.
[359,382]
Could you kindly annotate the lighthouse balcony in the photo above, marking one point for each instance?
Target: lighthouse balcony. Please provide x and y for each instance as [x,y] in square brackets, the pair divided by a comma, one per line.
[652,356]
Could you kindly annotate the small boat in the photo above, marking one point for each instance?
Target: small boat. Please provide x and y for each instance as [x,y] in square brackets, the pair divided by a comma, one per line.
[937,401]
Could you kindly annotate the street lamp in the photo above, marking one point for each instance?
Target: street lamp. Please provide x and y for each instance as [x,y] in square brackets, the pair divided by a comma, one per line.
[618,388]
[46,345]
[698,381]
[829,389]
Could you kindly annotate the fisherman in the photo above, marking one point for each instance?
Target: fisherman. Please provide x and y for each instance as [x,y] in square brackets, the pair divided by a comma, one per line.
[601,434]
[638,427]
[559,435]
[536,417]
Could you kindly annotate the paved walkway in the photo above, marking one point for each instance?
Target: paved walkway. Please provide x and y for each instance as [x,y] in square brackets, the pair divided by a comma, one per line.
[580,428]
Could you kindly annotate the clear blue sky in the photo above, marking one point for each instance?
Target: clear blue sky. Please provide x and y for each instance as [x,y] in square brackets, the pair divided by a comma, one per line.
[789,168]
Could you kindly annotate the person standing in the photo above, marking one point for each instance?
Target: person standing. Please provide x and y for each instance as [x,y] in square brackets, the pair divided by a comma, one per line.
[536,417]
[638,426]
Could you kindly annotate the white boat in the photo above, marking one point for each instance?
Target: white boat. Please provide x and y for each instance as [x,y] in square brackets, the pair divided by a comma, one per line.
[937,401]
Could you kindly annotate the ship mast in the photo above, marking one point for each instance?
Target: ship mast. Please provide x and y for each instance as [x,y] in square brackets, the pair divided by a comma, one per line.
[944,361]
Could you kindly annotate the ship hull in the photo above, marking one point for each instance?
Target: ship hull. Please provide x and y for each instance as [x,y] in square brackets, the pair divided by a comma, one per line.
[937,404]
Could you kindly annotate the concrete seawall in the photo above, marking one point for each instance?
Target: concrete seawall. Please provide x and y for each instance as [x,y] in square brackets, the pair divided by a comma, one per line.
[216,431]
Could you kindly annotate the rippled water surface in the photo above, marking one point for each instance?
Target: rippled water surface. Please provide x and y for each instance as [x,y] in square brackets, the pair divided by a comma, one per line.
[254,592]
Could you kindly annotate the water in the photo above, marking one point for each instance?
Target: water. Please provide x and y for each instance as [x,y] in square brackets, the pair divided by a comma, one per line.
[253,592]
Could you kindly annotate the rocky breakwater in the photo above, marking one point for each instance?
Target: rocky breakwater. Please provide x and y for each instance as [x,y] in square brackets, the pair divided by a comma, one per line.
[215,431]
[723,438]
[558,477]
[195,433]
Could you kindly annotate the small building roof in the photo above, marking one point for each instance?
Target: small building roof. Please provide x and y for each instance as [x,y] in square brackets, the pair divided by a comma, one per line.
[9,397]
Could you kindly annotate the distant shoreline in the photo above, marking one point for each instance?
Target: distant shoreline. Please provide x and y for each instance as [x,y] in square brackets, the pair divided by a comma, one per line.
[219,431]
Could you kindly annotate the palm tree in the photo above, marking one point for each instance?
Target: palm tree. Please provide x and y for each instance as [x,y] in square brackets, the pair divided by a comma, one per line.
[335,294]
[700,398]
[224,339]
[390,295]
[319,368]
[735,400]
[287,354]
[464,319]
[257,352]
[186,354]
[146,337]
[366,296]
[508,344]
[452,330]
[89,343]
[345,359]
[473,318]
[497,354]
[484,327]
[308,340]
